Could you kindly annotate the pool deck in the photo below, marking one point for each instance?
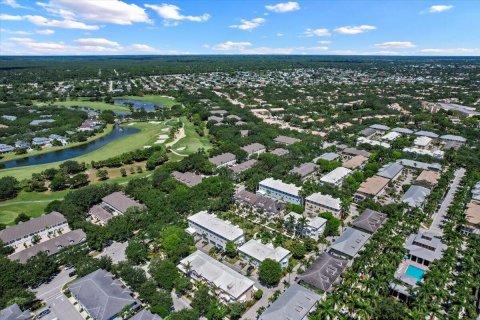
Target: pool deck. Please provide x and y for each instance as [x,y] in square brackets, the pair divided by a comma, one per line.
[400,274]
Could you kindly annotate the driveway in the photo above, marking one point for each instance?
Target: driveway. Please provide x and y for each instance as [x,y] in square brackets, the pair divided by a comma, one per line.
[116,251]
[49,290]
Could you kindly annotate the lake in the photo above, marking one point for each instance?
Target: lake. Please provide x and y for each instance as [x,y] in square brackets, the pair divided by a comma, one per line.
[65,154]
[138,104]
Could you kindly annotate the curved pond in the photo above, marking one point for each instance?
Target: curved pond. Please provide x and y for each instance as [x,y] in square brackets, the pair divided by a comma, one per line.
[65,154]
[138,104]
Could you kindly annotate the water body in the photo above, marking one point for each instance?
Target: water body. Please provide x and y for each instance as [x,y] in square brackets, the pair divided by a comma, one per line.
[138,104]
[65,154]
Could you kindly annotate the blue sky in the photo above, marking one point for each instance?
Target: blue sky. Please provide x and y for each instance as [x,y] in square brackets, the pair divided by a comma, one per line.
[411,27]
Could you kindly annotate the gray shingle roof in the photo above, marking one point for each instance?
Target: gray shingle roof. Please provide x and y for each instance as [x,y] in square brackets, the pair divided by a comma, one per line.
[350,242]
[254,147]
[13,312]
[145,315]
[259,201]
[324,271]
[101,294]
[32,226]
[415,196]
[390,170]
[356,152]
[280,152]
[286,140]
[222,158]
[50,246]
[304,169]
[189,178]
[425,245]
[369,220]
[294,304]
[121,202]
[243,166]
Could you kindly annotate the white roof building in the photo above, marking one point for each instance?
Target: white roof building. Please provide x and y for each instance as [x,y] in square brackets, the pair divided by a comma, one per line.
[281,186]
[232,285]
[422,141]
[216,225]
[260,251]
[318,201]
[336,176]
[362,140]
[391,136]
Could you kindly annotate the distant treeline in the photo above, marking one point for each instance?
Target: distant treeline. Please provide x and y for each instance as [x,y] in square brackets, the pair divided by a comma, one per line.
[31,69]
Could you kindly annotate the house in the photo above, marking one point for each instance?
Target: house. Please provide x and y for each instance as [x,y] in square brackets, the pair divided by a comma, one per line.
[190,179]
[369,221]
[438,154]
[230,286]
[379,127]
[363,140]
[278,190]
[22,144]
[63,140]
[356,152]
[355,162]
[390,171]
[41,121]
[223,160]
[415,196]
[368,132]
[40,141]
[50,246]
[214,230]
[239,168]
[286,140]
[102,296]
[13,312]
[304,170]
[391,136]
[428,179]
[314,227]
[317,202]
[336,176]
[215,119]
[219,112]
[429,134]
[294,304]
[329,156]
[254,149]
[473,218]
[145,314]
[404,131]
[4,148]
[349,243]
[255,252]
[324,272]
[420,165]
[233,116]
[262,204]
[422,249]
[244,133]
[452,141]
[88,125]
[371,188]
[47,224]
[422,141]
[10,118]
[280,152]
[118,203]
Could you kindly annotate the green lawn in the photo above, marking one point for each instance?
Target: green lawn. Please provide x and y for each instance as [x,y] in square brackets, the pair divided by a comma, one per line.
[98,105]
[147,136]
[13,156]
[166,101]
[192,141]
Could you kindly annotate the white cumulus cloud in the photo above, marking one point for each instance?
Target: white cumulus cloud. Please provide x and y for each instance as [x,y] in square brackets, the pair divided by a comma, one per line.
[249,24]
[439,8]
[450,51]
[322,32]
[102,11]
[283,7]
[45,32]
[395,44]
[96,42]
[44,22]
[171,14]
[354,29]
[231,45]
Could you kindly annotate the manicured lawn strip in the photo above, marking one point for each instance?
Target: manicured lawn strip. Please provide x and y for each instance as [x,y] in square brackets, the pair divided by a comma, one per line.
[147,136]
[166,101]
[192,141]
[13,156]
[84,102]
[33,209]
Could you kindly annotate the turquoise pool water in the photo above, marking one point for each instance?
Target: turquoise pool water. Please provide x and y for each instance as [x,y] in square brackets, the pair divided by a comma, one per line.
[415,272]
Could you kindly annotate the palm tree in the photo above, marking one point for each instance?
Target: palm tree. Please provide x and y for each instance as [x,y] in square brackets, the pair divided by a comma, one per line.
[301,223]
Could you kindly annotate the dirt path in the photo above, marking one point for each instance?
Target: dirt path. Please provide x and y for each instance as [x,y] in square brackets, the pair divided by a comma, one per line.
[178,136]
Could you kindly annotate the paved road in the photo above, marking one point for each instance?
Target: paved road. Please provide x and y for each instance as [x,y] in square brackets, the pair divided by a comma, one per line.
[180,303]
[439,216]
[51,293]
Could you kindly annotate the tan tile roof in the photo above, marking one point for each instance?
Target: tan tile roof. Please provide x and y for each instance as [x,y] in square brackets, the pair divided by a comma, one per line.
[355,162]
[373,185]
[473,212]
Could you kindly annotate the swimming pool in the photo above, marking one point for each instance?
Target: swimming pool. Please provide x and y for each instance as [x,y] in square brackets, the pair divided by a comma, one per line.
[415,272]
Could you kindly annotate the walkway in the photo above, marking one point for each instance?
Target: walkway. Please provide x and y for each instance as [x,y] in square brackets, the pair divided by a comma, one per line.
[26,201]
[439,216]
